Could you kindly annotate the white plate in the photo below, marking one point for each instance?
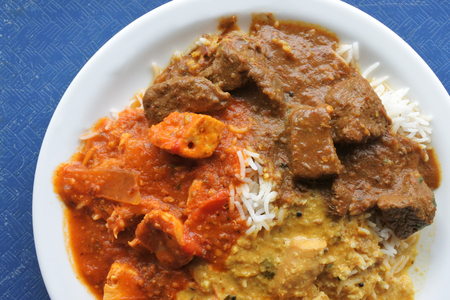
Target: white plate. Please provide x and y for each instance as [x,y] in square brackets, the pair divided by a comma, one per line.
[122,67]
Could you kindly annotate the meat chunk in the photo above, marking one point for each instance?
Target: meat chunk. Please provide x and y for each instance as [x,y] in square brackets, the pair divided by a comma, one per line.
[177,68]
[237,60]
[304,59]
[230,67]
[182,94]
[384,172]
[303,262]
[190,64]
[122,283]
[165,235]
[358,113]
[312,151]
[188,135]
[410,208]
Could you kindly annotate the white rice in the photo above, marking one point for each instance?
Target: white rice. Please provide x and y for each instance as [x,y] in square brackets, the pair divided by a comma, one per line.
[388,240]
[88,135]
[254,196]
[137,98]
[349,52]
[156,70]
[391,246]
[115,114]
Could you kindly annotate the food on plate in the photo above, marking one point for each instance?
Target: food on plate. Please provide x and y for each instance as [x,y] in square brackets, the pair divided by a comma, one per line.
[358,113]
[255,166]
[312,151]
[187,134]
[199,94]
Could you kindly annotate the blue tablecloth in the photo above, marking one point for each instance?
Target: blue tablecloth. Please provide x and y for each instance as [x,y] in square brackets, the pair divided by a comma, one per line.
[43,45]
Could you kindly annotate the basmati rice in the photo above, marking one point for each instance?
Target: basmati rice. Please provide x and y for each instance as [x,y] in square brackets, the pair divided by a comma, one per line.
[254,196]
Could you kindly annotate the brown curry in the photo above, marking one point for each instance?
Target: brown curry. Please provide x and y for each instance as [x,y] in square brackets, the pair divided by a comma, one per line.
[148,195]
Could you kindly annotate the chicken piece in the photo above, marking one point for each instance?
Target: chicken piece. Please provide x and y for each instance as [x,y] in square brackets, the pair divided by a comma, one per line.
[187,134]
[165,235]
[301,265]
[197,192]
[311,148]
[125,217]
[182,94]
[122,283]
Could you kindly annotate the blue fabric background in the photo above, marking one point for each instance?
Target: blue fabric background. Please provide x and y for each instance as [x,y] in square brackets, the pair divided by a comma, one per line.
[43,45]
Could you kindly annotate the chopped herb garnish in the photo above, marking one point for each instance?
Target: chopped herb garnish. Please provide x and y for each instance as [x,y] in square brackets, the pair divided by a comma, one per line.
[420,179]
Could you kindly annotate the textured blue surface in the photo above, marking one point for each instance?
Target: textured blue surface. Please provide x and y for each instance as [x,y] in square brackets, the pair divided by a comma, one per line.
[43,44]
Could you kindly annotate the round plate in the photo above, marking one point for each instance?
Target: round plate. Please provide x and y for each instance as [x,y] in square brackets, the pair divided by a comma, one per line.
[123,66]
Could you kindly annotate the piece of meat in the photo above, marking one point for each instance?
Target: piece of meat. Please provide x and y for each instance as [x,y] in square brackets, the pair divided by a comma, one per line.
[165,235]
[122,283]
[182,94]
[229,69]
[177,68]
[301,265]
[358,113]
[188,135]
[237,60]
[312,152]
[384,173]
[121,218]
[410,207]
[341,198]
[303,58]
[190,64]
